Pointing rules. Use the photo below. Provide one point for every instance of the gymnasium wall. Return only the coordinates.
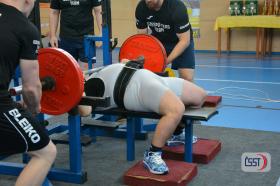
(241, 39)
(123, 25)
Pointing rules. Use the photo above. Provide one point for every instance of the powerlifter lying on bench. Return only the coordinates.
(137, 89)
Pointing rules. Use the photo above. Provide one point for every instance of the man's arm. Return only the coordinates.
(184, 41)
(182, 28)
(141, 23)
(97, 11)
(142, 31)
(54, 18)
(31, 85)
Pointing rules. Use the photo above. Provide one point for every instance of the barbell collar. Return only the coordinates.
(48, 83)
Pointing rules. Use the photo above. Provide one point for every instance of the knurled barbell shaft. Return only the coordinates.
(48, 83)
(94, 70)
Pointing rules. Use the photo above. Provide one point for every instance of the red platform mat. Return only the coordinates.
(212, 101)
(180, 173)
(204, 150)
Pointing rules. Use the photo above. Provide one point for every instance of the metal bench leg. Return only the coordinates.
(75, 149)
(130, 139)
(47, 182)
(188, 140)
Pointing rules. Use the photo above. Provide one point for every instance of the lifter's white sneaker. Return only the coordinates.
(176, 140)
(154, 163)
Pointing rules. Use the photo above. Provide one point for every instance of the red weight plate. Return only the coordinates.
(69, 81)
(147, 46)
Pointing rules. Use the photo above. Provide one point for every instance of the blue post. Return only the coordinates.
(130, 139)
(47, 183)
(90, 51)
(16, 81)
(106, 44)
(139, 125)
(75, 149)
(41, 117)
(188, 140)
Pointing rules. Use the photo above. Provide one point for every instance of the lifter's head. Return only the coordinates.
(154, 4)
(94, 87)
(25, 6)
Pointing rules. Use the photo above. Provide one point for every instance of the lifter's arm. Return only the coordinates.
(31, 85)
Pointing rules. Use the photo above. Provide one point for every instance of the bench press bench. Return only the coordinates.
(190, 115)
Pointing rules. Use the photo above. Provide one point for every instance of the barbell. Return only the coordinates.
(149, 47)
(63, 80)
(152, 50)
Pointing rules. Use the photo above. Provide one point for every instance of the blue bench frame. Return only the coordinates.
(134, 117)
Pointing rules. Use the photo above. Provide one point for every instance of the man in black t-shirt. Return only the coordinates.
(168, 21)
(76, 20)
(20, 131)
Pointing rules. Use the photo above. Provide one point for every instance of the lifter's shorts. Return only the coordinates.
(145, 90)
(19, 130)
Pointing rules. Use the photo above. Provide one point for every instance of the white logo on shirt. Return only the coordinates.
(184, 26)
(25, 125)
(137, 22)
(37, 43)
(72, 2)
(150, 17)
(75, 3)
(0, 14)
(158, 27)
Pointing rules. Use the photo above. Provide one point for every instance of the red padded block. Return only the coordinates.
(180, 173)
(204, 150)
(212, 101)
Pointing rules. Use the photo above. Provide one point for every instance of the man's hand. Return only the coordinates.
(98, 44)
(33, 111)
(168, 61)
(54, 41)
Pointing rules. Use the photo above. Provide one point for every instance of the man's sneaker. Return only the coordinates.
(176, 140)
(154, 162)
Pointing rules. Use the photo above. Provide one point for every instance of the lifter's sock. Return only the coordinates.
(155, 149)
(178, 130)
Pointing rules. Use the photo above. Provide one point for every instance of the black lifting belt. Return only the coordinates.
(123, 79)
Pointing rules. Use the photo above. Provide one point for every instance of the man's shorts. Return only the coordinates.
(75, 47)
(19, 130)
(185, 60)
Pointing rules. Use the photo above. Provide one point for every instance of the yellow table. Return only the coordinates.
(263, 25)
